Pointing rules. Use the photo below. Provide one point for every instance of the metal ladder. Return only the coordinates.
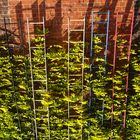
(115, 58)
(103, 44)
(40, 113)
(75, 79)
(12, 58)
(14, 91)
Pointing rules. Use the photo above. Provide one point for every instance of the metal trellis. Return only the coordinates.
(12, 65)
(40, 113)
(103, 22)
(75, 77)
(128, 26)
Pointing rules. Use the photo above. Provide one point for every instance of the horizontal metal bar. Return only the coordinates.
(76, 30)
(41, 110)
(39, 80)
(105, 22)
(40, 90)
(100, 13)
(42, 35)
(99, 34)
(123, 35)
(11, 22)
(76, 53)
(75, 42)
(37, 70)
(100, 45)
(74, 85)
(31, 22)
(38, 100)
(73, 116)
(76, 64)
(42, 128)
(37, 47)
(75, 75)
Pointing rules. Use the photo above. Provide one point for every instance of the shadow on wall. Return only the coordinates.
(55, 24)
(38, 10)
(136, 31)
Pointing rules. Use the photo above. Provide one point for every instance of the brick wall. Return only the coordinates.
(3, 8)
(57, 12)
(136, 31)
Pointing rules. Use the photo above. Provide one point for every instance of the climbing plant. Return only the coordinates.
(91, 121)
(133, 111)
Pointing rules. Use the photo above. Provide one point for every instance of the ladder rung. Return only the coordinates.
(104, 22)
(76, 64)
(11, 23)
(38, 100)
(76, 30)
(42, 128)
(72, 116)
(40, 90)
(75, 53)
(42, 136)
(74, 87)
(124, 35)
(42, 118)
(121, 24)
(76, 42)
(99, 34)
(103, 45)
(75, 75)
(41, 110)
(39, 80)
(37, 47)
(101, 13)
(30, 22)
(39, 69)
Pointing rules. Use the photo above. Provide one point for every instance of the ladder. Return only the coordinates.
(118, 63)
(101, 22)
(18, 62)
(75, 78)
(38, 85)
(8, 33)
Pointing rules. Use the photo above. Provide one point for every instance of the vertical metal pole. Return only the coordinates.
(91, 57)
(23, 53)
(49, 137)
(68, 75)
(33, 92)
(114, 66)
(12, 71)
(83, 69)
(106, 49)
(128, 58)
(107, 34)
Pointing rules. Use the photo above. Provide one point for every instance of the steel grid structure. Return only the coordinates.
(119, 24)
(35, 91)
(78, 76)
(102, 22)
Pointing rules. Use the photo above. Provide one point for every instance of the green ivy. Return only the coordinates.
(16, 100)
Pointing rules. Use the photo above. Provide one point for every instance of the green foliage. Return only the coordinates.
(133, 123)
(16, 97)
